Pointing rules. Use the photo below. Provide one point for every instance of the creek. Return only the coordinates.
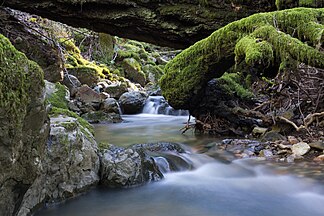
(245, 187)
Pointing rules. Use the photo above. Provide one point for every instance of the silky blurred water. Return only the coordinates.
(146, 128)
(241, 188)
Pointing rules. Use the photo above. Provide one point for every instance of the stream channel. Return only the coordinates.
(244, 187)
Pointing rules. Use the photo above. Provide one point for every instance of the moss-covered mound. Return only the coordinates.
(22, 125)
(17, 82)
(278, 39)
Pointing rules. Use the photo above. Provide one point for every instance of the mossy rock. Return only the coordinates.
(133, 71)
(87, 74)
(153, 72)
(55, 112)
(57, 95)
(261, 40)
(20, 80)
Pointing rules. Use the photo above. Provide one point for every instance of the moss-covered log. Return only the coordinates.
(274, 39)
(169, 23)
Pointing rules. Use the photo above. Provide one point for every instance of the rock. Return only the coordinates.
(299, 149)
(292, 140)
(140, 163)
(132, 102)
(319, 158)
(73, 106)
(88, 75)
(272, 136)
(57, 95)
(23, 126)
(16, 26)
(266, 153)
(116, 90)
(72, 83)
(126, 167)
(88, 95)
(133, 71)
(110, 105)
(101, 117)
(72, 159)
(153, 73)
(104, 95)
(319, 144)
(259, 131)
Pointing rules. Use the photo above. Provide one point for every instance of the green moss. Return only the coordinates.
(189, 71)
(69, 126)
(307, 3)
(122, 54)
(103, 146)
(284, 4)
(69, 45)
(132, 63)
(20, 79)
(232, 85)
(254, 50)
(55, 112)
(58, 98)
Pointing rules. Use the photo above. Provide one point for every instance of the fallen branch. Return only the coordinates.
(307, 121)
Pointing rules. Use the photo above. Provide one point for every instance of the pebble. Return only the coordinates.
(292, 140)
(266, 153)
(300, 148)
(282, 146)
(317, 144)
(319, 158)
(259, 131)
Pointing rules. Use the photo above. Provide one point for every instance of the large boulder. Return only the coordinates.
(110, 105)
(132, 102)
(116, 90)
(141, 163)
(72, 159)
(133, 71)
(23, 125)
(71, 165)
(86, 74)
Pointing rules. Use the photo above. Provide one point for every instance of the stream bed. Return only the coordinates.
(245, 187)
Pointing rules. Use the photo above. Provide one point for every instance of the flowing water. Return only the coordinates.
(241, 188)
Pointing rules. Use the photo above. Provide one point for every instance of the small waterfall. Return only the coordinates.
(158, 105)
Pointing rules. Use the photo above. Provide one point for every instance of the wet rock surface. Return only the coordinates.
(132, 102)
(140, 163)
(70, 167)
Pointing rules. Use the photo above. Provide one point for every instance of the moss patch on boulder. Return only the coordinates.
(16, 76)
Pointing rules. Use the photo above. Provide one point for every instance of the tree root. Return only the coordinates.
(307, 121)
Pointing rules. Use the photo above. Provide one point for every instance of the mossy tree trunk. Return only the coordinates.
(170, 23)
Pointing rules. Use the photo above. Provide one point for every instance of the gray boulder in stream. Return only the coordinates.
(70, 167)
(140, 163)
(132, 102)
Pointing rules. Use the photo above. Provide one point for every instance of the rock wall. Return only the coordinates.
(169, 23)
(23, 125)
(24, 33)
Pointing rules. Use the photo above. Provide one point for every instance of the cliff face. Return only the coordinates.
(171, 23)
(23, 125)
